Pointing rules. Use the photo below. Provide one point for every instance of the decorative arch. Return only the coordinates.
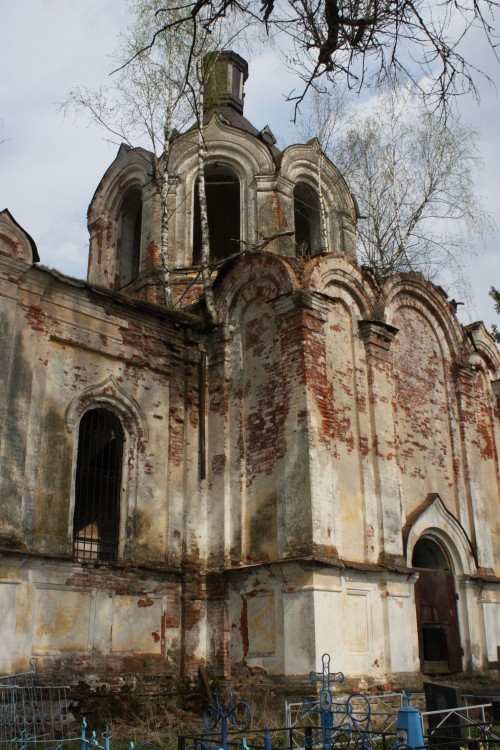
(130, 167)
(112, 396)
(104, 407)
(484, 352)
(338, 277)
(115, 219)
(439, 549)
(15, 241)
(433, 520)
(253, 275)
(239, 151)
(412, 290)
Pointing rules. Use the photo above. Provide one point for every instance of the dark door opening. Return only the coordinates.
(437, 618)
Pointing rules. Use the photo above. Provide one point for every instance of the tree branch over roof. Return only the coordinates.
(362, 41)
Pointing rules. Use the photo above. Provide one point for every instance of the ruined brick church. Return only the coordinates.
(318, 472)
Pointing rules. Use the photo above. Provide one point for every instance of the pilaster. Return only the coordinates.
(378, 337)
(478, 521)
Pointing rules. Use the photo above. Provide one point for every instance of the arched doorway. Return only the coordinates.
(436, 602)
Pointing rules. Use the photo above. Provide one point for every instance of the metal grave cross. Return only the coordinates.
(325, 700)
(326, 678)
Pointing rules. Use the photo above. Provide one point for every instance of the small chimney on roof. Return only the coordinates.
(226, 73)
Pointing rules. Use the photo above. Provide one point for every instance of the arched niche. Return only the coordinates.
(307, 219)
(222, 187)
(337, 276)
(129, 220)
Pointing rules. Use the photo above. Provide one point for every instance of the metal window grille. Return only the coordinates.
(98, 483)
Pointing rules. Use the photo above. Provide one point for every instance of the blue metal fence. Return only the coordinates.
(32, 714)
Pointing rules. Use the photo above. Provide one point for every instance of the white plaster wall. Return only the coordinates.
(8, 607)
(299, 636)
(400, 626)
(491, 611)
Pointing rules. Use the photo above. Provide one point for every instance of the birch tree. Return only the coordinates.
(206, 273)
(155, 92)
(145, 103)
(413, 177)
(495, 296)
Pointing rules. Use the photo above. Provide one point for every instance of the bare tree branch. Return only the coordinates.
(363, 42)
(413, 176)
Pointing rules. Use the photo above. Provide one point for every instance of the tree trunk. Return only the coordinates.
(165, 262)
(322, 210)
(206, 274)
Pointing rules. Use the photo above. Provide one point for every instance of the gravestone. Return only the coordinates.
(445, 731)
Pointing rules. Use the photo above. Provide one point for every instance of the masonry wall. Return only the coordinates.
(69, 348)
(374, 412)
(279, 470)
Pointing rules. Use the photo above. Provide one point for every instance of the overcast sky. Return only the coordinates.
(50, 165)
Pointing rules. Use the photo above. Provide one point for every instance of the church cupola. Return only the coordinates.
(226, 73)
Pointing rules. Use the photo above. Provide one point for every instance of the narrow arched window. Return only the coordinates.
(223, 207)
(307, 220)
(130, 229)
(96, 517)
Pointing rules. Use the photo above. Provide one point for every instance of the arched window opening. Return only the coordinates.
(96, 518)
(437, 617)
(130, 219)
(223, 207)
(307, 220)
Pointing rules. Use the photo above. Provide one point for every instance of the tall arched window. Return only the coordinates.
(130, 228)
(96, 519)
(307, 220)
(223, 206)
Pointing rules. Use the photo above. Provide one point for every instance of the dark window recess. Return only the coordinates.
(130, 218)
(97, 490)
(307, 221)
(223, 207)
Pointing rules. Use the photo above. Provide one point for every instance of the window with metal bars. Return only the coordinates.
(96, 518)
